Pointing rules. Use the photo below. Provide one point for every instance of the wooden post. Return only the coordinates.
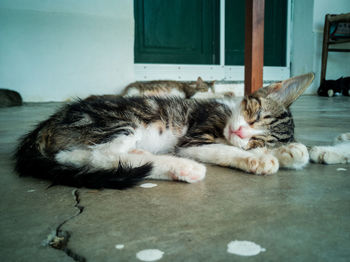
(254, 45)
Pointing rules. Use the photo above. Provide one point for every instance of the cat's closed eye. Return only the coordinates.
(254, 117)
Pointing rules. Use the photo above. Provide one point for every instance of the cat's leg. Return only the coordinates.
(74, 157)
(132, 91)
(176, 93)
(293, 155)
(167, 167)
(208, 95)
(100, 156)
(108, 156)
(326, 155)
(230, 156)
(342, 138)
(337, 154)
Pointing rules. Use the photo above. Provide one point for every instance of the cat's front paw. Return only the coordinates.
(294, 155)
(188, 171)
(324, 155)
(343, 137)
(262, 164)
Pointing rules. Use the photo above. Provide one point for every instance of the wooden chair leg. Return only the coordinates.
(325, 49)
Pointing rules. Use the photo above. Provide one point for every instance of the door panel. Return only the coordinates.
(187, 32)
(274, 32)
(177, 32)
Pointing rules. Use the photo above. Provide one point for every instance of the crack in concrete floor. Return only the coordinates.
(59, 238)
(303, 212)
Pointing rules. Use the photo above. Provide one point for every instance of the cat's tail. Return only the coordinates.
(30, 162)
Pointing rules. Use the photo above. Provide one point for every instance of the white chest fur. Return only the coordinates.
(156, 139)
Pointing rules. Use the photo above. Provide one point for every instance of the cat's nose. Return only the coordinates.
(241, 132)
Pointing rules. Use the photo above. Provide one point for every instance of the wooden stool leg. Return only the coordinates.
(325, 49)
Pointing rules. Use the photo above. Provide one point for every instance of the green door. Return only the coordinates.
(275, 32)
(187, 32)
(177, 32)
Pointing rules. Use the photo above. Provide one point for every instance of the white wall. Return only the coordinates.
(54, 50)
(323, 7)
(302, 56)
(308, 21)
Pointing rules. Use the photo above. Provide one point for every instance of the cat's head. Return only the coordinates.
(263, 118)
(204, 86)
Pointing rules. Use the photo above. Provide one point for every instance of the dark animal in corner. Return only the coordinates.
(345, 86)
(331, 87)
(9, 98)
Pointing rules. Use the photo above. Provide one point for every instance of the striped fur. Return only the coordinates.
(168, 88)
(117, 141)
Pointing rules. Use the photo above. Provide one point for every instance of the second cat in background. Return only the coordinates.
(193, 89)
(170, 88)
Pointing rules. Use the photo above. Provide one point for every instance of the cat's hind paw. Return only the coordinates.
(324, 155)
(262, 164)
(294, 156)
(188, 171)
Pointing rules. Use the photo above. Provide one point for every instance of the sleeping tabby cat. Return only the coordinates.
(116, 142)
(168, 88)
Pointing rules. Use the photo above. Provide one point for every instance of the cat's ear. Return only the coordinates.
(287, 91)
(199, 81)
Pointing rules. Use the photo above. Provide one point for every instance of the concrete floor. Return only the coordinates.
(296, 215)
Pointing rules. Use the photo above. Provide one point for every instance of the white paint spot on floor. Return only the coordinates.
(244, 248)
(341, 169)
(31, 190)
(119, 246)
(148, 185)
(150, 255)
